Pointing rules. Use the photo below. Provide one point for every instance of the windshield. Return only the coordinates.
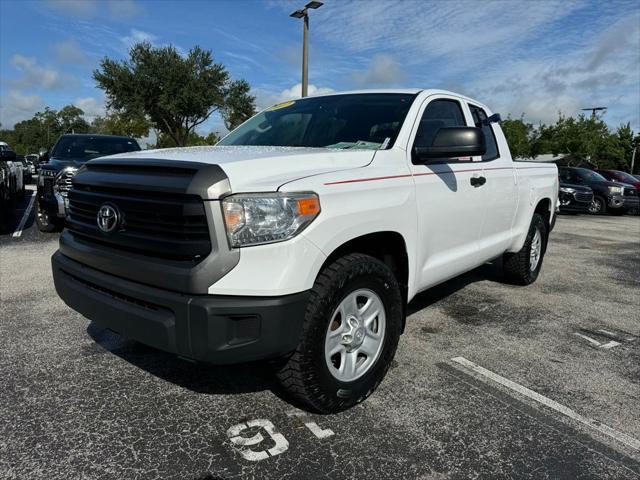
(367, 120)
(86, 148)
(587, 174)
(623, 176)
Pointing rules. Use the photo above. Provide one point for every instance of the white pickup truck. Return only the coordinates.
(303, 234)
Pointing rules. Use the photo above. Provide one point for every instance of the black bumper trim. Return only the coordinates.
(216, 329)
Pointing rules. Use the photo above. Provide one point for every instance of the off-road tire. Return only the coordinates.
(305, 374)
(517, 266)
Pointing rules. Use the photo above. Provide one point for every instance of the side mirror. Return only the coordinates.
(451, 142)
(8, 155)
(43, 156)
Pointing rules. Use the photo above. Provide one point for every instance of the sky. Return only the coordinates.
(537, 57)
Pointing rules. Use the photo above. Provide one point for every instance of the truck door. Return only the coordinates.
(501, 189)
(450, 209)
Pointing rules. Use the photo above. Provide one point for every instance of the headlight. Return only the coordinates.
(567, 190)
(258, 218)
(615, 189)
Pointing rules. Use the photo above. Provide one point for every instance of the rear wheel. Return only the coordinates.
(46, 222)
(598, 206)
(523, 267)
(350, 334)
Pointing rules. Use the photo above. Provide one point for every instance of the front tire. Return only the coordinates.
(350, 334)
(523, 267)
(598, 206)
(46, 222)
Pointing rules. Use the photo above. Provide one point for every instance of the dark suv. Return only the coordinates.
(70, 153)
(608, 196)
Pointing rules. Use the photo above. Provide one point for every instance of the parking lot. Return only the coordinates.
(490, 381)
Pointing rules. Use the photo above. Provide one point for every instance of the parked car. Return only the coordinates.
(68, 154)
(26, 170)
(574, 198)
(627, 178)
(620, 176)
(13, 170)
(33, 160)
(304, 234)
(608, 196)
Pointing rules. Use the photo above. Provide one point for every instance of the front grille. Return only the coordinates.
(63, 181)
(583, 196)
(48, 188)
(171, 226)
(630, 192)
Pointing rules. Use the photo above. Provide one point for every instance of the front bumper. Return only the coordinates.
(208, 328)
(631, 202)
(51, 201)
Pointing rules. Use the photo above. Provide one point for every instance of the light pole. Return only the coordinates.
(304, 14)
(593, 110)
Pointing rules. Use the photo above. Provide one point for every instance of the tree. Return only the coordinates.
(518, 135)
(115, 123)
(175, 93)
(195, 139)
(71, 120)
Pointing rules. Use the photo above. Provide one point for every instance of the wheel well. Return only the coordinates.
(388, 247)
(544, 209)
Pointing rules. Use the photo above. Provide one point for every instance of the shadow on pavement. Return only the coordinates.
(491, 271)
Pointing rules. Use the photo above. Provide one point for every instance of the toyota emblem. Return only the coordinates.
(107, 218)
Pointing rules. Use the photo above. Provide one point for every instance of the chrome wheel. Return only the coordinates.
(596, 206)
(355, 335)
(536, 250)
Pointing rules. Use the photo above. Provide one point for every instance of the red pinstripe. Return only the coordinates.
(372, 179)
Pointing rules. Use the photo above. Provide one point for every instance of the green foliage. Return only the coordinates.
(175, 93)
(115, 123)
(580, 139)
(519, 136)
(195, 139)
(44, 128)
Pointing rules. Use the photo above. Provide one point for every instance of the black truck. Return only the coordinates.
(70, 152)
(608, 196)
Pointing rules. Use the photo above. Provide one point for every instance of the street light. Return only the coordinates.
(593, 110)
(304, 14)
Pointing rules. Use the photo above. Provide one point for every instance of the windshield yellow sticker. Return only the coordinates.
(278, 106)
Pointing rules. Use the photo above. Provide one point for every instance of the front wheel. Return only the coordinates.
(46, 222)
(523, 267)
(350, 334)
(598, 206)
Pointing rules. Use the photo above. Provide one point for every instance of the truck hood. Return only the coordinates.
(261, 169)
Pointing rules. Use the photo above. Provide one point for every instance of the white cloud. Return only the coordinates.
(16, 106)
(34, 75)
(265, 98)
(124, 9)
(138, 36)
(383, 71)
(75, 8)
(69, 52)
(91, 106)
(85, 9)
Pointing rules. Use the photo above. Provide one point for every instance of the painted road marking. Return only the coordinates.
(25, 216)
(312, 426)
(234, 434)
(607, 345)
(516, 387)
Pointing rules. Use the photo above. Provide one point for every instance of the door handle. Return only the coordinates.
(478, 181)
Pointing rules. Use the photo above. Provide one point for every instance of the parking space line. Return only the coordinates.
(25, 216)
(516, 387)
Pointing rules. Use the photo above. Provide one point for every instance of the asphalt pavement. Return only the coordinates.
(490, 381)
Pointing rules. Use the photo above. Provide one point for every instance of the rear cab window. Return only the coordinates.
(480, 120)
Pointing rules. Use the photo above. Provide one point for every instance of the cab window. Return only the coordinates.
(438, 114)
(480, 119)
